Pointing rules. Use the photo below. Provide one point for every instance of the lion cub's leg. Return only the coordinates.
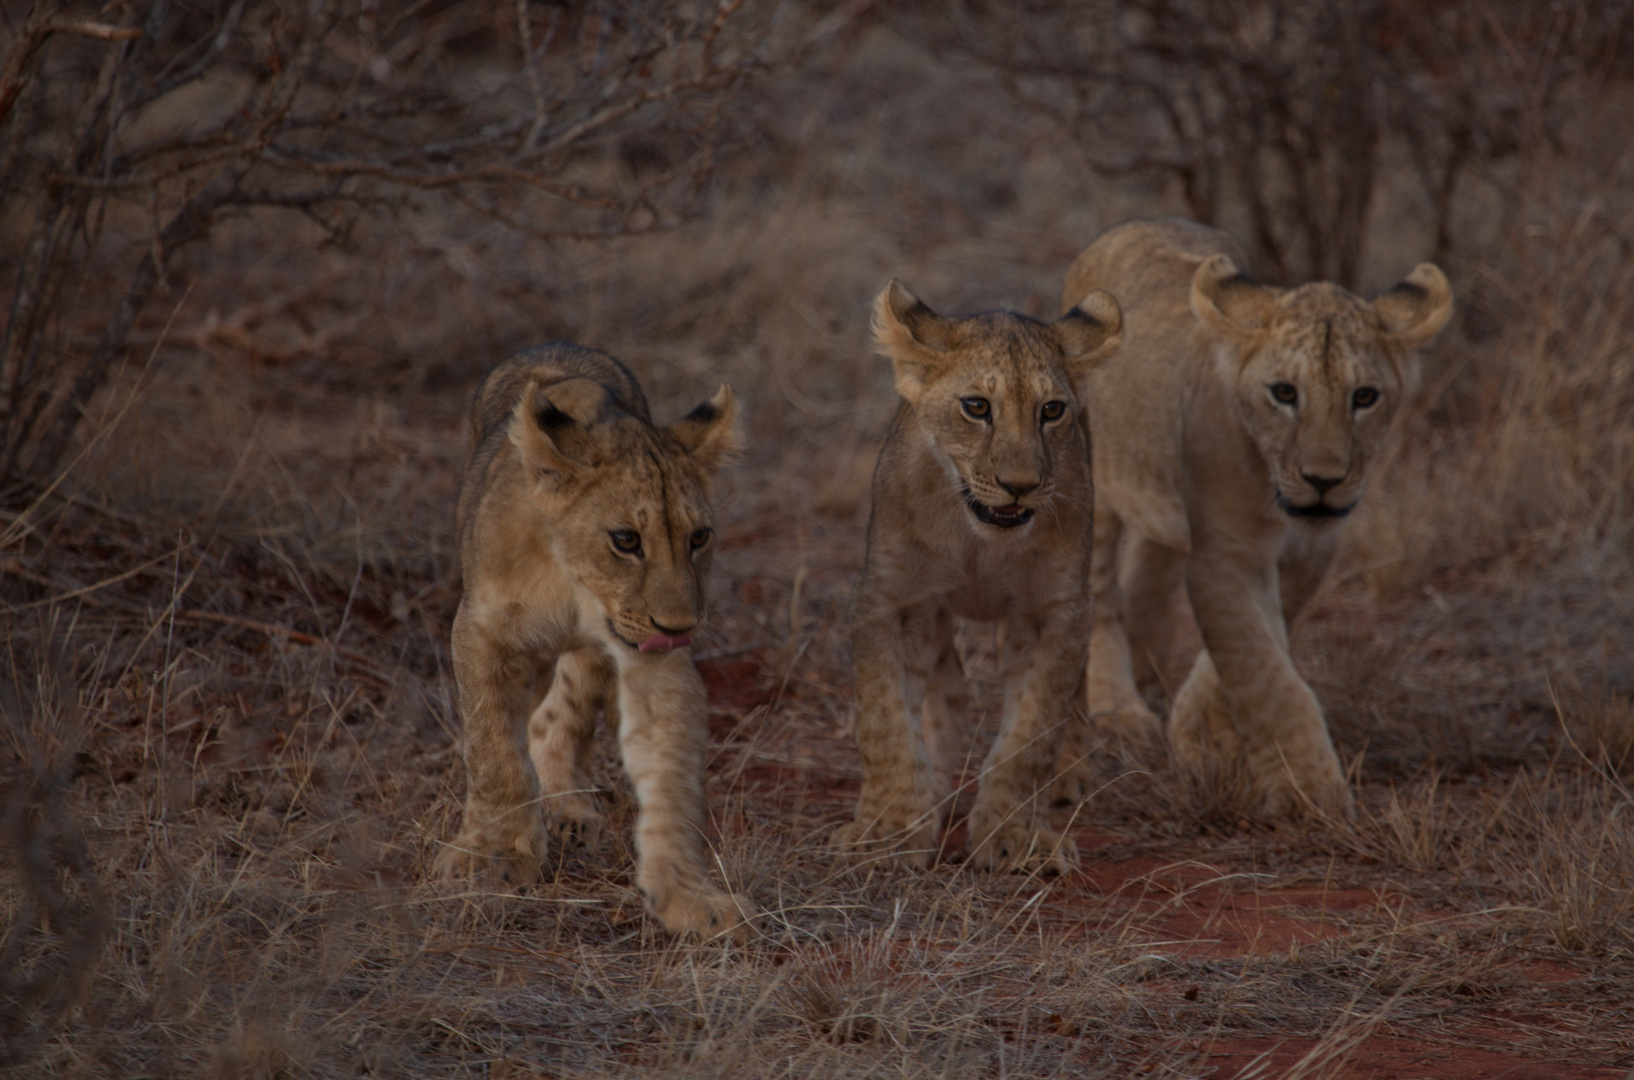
(1125, 571)
(1042, 661)
(945, 713)
(1202, 735)
(1246, 684)
(503, 828)
(663, 731)
(561, 736)
(901, 805)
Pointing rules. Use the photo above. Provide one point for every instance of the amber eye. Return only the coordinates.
(1364, 398)
(626, 541)
(700, 537)
(1284, 393)
(977, 408)
(1053, 410)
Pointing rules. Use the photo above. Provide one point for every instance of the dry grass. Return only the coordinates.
(230, 739)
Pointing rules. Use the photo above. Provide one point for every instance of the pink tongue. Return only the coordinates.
(663, 642)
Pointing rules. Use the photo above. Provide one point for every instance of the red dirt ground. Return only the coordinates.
(1205, 910)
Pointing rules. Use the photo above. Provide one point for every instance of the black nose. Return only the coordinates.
(1322, 484)
(1018, 490)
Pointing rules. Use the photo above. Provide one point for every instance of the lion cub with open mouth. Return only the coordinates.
(982, 509)
(585, 539)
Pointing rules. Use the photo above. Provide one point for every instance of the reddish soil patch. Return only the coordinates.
(735, 684)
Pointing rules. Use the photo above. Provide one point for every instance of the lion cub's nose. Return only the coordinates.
(1018, 488)
(1322, 484)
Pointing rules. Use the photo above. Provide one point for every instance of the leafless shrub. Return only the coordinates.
(1278, 118)
(595, 120)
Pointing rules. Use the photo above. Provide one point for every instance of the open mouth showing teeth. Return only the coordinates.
(1005, 517)
(1315, 510)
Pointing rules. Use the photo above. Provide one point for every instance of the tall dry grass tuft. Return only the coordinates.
(54, 906)
(1601, 727)
(1571, 855)
(1421, 829)
(1521, 462)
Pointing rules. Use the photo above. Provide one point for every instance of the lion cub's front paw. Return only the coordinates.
(706, 913)
(579, 821)
(1323, 795)
(1074, 782)
(514, 860)
(1019, 843)
(893, 837)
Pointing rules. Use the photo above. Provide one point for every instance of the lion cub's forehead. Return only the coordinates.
(1005, 353)
(1328, 325)
(1323, 311)
(651, 479)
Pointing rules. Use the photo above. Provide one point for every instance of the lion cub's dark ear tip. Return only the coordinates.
(550, 418)
(704, 413)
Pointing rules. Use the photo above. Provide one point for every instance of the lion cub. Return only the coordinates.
(1235, 433)
(584, 538)
(982, 503)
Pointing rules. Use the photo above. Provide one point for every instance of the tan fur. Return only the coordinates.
(931, 558)
(564, 455)
(1198, 473)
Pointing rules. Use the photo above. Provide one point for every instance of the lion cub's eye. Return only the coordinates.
(1053, 410)
(1364, 397)
(977, 408)
(626, 541)
(700, 537)
(1284, 393)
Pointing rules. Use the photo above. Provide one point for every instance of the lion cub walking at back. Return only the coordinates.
(584, 535)
(982, 509)
(1234, 434)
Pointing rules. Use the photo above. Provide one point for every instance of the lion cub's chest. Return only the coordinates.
(523, 586)
(999, 579)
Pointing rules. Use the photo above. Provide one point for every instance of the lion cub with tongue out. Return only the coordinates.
(585, 538)
(982, 509)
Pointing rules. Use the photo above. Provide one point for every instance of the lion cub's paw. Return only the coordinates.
(1018, 845)
(1300, 777)
(1325, 797)
(706, 913)
(579, 822)
(890, 838)
(1130, 729)
(478, 853)
(1074, 782)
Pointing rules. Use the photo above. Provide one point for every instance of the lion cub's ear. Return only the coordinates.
(1089, 333)
(1224, 298)
(1416, 307)
(552, 430)
(711, 434)
(912, 335)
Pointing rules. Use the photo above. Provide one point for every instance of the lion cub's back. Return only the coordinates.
(1137, 398)
(1146, 262)
(490, 450)
(559, 360)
